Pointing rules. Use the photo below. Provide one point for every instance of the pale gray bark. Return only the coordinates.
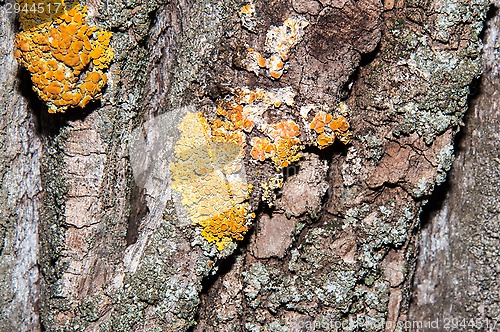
(20, 190)
(458, 269)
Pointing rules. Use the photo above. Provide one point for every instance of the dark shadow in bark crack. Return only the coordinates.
(366, 59)
(138, 210)
(224, 266)
(34, 103)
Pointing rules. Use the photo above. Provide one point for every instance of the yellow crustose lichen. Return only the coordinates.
(205, 172)
(65, 57)
(209, 154)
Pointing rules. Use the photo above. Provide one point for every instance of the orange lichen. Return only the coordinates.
(279, 42)
(262, 148)
(233, 112)
(253, 61)
(285, 129)
(320, 121)
(245, 108)
(248, 9)
(328, 128)
(65, 57)
(284, 148)
(275, 66)
(205, 172)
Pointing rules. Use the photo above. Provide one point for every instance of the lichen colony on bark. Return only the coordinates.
(335, 235)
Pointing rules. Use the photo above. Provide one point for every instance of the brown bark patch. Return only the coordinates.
(274, 236)
(354, 26)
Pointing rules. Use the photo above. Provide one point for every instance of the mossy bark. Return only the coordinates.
(340, 244)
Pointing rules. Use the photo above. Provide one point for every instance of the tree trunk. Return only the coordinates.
(456, 281)
(334, 248)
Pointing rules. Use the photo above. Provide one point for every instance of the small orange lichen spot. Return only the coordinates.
(328, 128)
(275, 65)
(248, 19)
(285, 129)
(280, 41)
(248, 9)
(253, 61)
(262, 148)
(57, 46)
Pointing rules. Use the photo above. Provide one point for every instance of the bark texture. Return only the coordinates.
(352, 266)
(337, 249)
(459, 261)
(20, 191)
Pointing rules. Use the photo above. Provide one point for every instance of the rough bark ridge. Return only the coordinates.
(115, 257)
(109, 249)
(458, 260)
(352, 266)
(20, 150)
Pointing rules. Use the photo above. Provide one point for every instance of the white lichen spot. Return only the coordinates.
(305, 110)
(282, 39)
(279, 43)
(253, 61)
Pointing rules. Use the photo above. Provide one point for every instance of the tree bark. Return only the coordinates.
(456, 281)
(338, 248)
(20, 153)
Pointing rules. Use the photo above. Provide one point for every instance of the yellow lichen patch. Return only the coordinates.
(270, 187)
(205, 172)
(65, 57)
(226, 226)
(328, 128)
(287, 151)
